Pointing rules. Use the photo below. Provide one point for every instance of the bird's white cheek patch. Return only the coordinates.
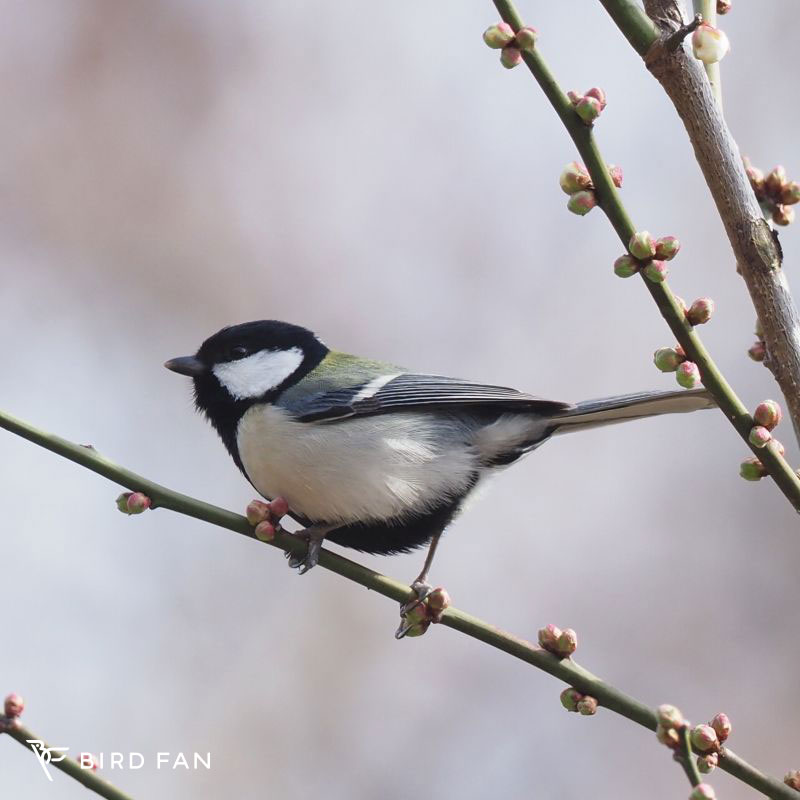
(258, 373)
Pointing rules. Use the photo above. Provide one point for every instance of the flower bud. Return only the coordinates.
(757, 351)
(709, 44)
(721, 725)
(582, 203)
(265, 531)
(681, 303)
(754, 175)
(790, 194)
(570, 699)
(616, 175)
(598, 95)
(257, 511)
(667, 736)
(548, 637)
(417, 629)
(669, 716)
(499, 35)
(526, 38)
(703, 791)
(510, 56)
(775, 181)
(122, 502)
(707, 763)
(641, 245)
(688, 375)
(278, 508)
(574, 178)
(626, 266)
(567, 643)
(751, 469)
(700, 311)
(667, 248)
(137, 503)
(768, 414)
(588, 109)
(723, 6)
(574, 97)
(704, 738)
(759, 436)
(793, 779)
(656, 271)
(437, 601)
(667, 359)
(87, 761)
(783, 215)
(14, 706)
(587, 706)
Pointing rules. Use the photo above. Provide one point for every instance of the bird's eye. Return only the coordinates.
(240, 351)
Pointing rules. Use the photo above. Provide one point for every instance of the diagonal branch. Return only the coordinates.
(564, 669)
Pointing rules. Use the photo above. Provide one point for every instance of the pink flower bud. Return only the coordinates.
(548, 638)
(526, 38)
(751, 469)
(510, 56)
(707, 763)
(656, 271)
(574, 97)
(754, 175)
(757, 351)
(257, 511)
(598, 95)
(567, 643)
(759, 436)
(626, 266)
(499, 35)
(437, 601)
(122, 502)
(721, 725)
(669, 716)
(768, 414)
(793, 779)
(790, 194)
(138, 503)
(701, 311)
(265, 531)
(642, 246)
(703, 791)
(278, 508)
(581, 203)
(616, 175)
(667, 359)
(574, 178)
(776, 180)
(783, 215)
(570, 699)
(588, 109)
(723, 6)
(587, 706)
(667, 736)
(667, 248)
(688, 375)
(14, 706)
(709, 44)
(88, 761)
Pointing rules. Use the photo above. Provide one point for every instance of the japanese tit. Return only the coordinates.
(368, 454)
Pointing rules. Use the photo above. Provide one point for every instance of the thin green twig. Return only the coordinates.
(685, 755)
(566, 670)
(708, 11)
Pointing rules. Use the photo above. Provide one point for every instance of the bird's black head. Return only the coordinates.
(246, 364)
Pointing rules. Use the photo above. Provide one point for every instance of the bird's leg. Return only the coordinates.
(313, 535)
(409, 611)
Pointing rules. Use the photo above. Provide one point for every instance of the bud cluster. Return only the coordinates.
(419, 616)
(766, 417)
(501, 36)
(584, 704)
(774, 191)
(577, 183)
(673, 359)
(266, 517)
(647, 255)
(588, 106)
(793, 779)
(560, 643)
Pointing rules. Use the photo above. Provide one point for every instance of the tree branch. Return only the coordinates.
(564, 669)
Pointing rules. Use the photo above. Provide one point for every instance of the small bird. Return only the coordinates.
(367, 454)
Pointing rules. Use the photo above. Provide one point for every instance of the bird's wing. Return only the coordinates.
(407, 391)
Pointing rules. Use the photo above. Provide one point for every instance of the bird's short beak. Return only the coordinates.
(186, 365)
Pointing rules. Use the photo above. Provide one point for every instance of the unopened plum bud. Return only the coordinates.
(790, 194)
(548, 637)
(574, 97)
(567, 643)
(138, 503)
(598, 95)
(722, 726)
(265, 531)
(499, 35)
(751, 469)
(757, 351)
(437, 601)
(768, 414)
(616, 175)
(570, 699)
(667, 359)
(759, 436)
(709, 44)
(257, 511)
(783, 215)
(703, 791)
(574, 178)
(793, 779)
(122, 502)
(526, 38)
(641, 245)
(582, 203)
(278, 508)
(688, 375)
(667, 736)
(418, 628)
(723, 6)
(588, 109)
(707, 763)
(13, 706)
(667, 248)
(704, 738)
(775, 181)
(669, 716)
(587, 706)
(626, 266)
(700, 311)
(656, 271)
(754, 175)
(510, 56)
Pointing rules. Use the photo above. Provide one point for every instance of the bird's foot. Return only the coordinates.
(418, 613)
(266, 517)
(313, 536)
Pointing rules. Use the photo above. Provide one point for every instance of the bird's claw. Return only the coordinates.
(308, 560)
(415, 615)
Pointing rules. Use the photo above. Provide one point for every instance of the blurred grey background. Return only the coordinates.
(371, 171)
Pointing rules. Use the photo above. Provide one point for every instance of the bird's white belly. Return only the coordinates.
(355, 469)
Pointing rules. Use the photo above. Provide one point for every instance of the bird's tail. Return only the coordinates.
(609, 410)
